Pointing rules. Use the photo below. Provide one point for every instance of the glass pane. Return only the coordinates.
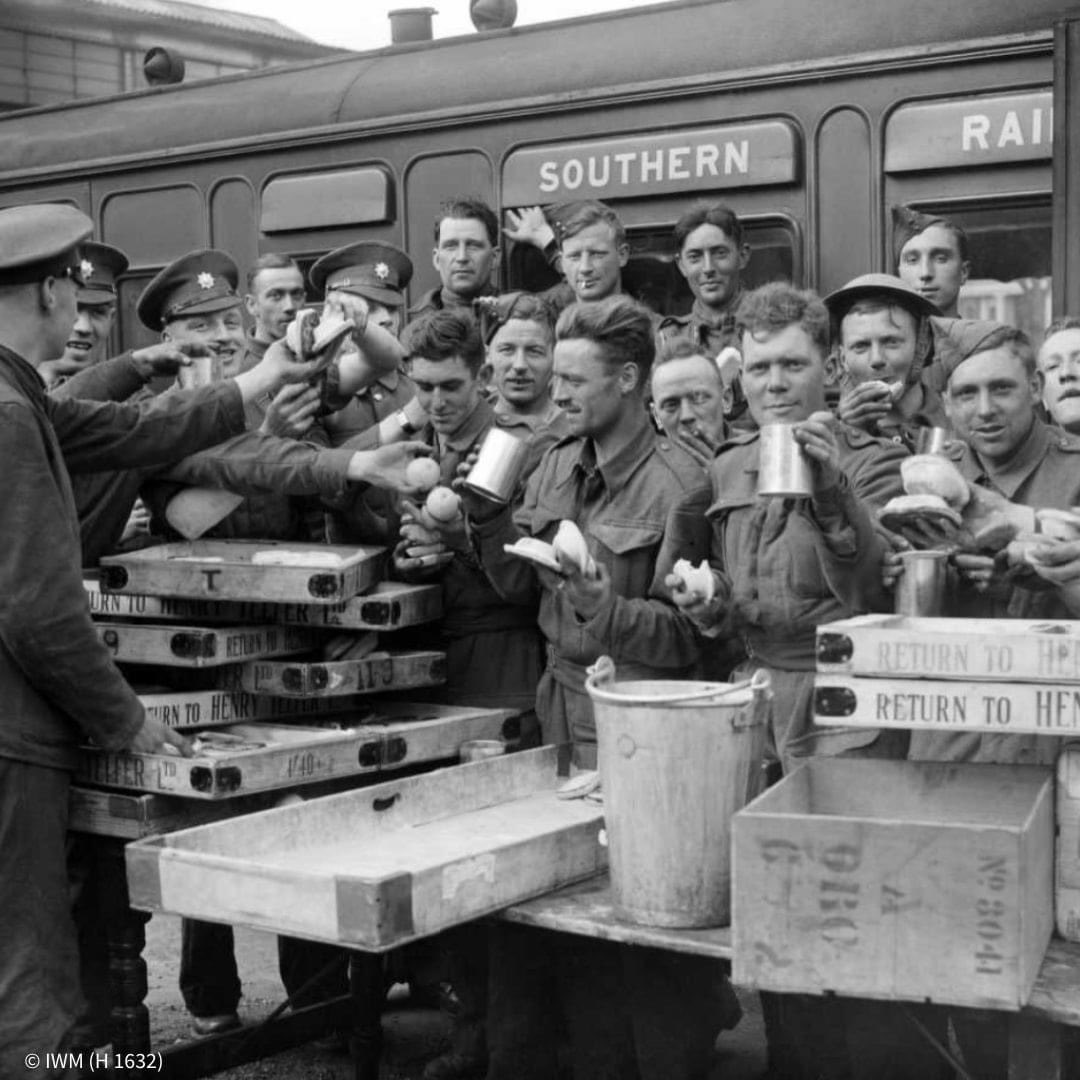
(1009, 247)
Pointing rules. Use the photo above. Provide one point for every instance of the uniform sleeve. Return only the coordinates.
(44, 617)
(112, 380)
(256, 464)
(95, 437)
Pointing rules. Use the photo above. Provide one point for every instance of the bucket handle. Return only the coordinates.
(602, 673)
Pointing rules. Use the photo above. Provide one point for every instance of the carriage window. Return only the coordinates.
(1009, 248)
(651, 275)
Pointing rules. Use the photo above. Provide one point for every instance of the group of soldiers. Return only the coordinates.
(642, 429)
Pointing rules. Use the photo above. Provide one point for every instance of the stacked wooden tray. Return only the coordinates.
(228, 640)
(381, 865)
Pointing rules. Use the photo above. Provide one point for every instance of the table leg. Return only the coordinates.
(367, 987)
(1034, 1048)
(125, 931)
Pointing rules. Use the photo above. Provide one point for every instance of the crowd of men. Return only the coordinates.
(643, 429)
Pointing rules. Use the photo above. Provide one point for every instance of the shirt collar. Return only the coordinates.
(708, 317)
(532, 421)
(22, 374)
(480, 419)
(1010, 477)
(616, 472)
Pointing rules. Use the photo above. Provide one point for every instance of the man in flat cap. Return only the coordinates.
(878, 324)
(58, 683)
(931, 255)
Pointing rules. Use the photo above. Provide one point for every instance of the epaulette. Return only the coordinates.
(738, 438)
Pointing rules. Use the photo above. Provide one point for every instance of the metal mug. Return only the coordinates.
(202, 371)
(783, 467)
(920, 589)
(479, 749)
(498, 466)
(932, 440)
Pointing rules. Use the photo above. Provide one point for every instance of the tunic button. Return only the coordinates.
(376, 395)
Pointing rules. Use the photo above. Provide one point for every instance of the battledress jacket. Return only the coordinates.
(58, 683)
(785, 566)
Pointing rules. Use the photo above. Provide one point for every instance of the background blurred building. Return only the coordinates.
(56, 50)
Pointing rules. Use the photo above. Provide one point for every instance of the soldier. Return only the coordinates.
(466, 255)
(102, 265)
(59, 684)
(1058, 362)
(275, 293)
(371, 276)
(879, 322)
(931, 256)
(594, 250)
(688, 396)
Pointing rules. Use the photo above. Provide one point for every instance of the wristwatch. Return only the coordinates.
(407, 426)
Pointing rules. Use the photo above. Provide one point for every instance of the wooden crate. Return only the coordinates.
(969, 650)
(896, 880)
(383, 865)
(201, 646)
(228, 570)
(394, 735)
(1067, 869)
(1000, 708)
(390, 605)
(376, 673)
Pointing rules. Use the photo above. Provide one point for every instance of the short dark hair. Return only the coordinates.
(1065, 322)
(962, 243)
(466, 208)
(621, 327)
(774, 307)
(272, 260)
(704, 213)
(447, 334)
(585, 214)
(494, 312)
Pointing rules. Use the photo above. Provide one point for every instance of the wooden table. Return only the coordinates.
(1035, 1033)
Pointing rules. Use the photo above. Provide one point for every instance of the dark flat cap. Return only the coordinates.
(32, 236)
(371, 269)
(101, 265)
(195, 284)
(896, 291)
(908, 223)
(957, 340)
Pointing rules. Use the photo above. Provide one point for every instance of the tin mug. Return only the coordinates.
(932, 440)
(479, 749)
(783, 467)
(920, 589)
(202, 371)
(498, 466)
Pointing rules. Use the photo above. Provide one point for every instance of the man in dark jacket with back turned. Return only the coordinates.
(58, 684)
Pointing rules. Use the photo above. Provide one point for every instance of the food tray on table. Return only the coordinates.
(238, 759)
(390, 605)
(214, 708)
(254, 570)
(381, 865)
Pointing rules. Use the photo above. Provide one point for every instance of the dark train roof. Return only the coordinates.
(474, 75)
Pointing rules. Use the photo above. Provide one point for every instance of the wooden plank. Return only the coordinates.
(969, 650)
(216, 708)
(947, 705)
(238, 570)
(388, 864)
(587, 909)
(389, 605)
(198, 646)
(896, 880)
(131, 817)
(375, 673)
